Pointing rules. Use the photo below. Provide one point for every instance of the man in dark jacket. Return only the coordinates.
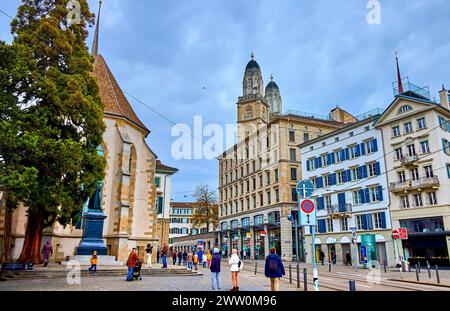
(274, 269)
(215, 270)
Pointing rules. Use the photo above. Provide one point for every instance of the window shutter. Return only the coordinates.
(448, 170)
(383, 220)
(364, 171)
(342, 202)
(308, 165)
(380, 192)
(366, 195)
(333, 159)
(362, 196)
(364, 222)
(322, 225)
(319, 162)
(363, 149)
(319, 182)
(316, 163)
(377, 169)
(349, 175)
(369, 221)
(343, 155)
(333, 179)
(358, 150)
(320, 203)
(347, 153)
(360, 172)
(444, 145)
(375, 145)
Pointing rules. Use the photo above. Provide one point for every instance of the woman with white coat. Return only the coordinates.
(235, 266)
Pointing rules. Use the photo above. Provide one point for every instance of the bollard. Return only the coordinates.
(418, 266)
(290, 274)
(298, 277)
(417, 273)
(437, 275)
(305, 279)
(429, 270)
(352, 285)
(384, 263)
(329, 267)
(256, 267)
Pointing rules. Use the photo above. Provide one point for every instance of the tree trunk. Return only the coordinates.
(6, 256)
(31, 250)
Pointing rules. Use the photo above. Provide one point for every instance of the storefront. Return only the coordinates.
(246, 238)
(258, 239)
(274, 231)
(427, 241)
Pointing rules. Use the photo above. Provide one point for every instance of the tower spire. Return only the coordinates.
(399, 77)
(97, 26)
(252, 56)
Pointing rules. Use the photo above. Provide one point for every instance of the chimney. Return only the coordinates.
(444, 97)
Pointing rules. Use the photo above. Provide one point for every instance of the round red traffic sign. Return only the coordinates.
(395, 234)
(307, 206)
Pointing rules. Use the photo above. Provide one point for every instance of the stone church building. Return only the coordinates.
(129, 193)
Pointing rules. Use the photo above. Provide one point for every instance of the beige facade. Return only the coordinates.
(416, 132)
(258, 175)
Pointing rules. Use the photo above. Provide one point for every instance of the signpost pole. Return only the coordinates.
(296, 221)
(315, 272)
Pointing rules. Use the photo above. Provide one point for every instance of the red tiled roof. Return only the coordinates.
(112, 95)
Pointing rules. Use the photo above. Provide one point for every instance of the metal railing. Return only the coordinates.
(424, 182)
(409, 159)
(339, 209)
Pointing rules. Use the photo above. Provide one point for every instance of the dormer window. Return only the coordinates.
(404, 109)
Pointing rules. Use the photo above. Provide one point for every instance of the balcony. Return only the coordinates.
(419, 184)
(339, 210)
(409, 160)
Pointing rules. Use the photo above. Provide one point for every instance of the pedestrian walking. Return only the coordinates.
(215, 269)
(164, 252)
(184, 258)
(132, 262)
(322, 257)
(180, 257)
(333, 257)
(158, 255)
(94, 262)
(274, 269)
(235, 266)
(149, 251)
(189, 260)
(208, 258)
(195, 261)
(174, 257)
(244, 255)
(47, 251)
(204, 260)
(348, 259)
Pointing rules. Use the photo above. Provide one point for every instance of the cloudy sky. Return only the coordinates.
(186, 58)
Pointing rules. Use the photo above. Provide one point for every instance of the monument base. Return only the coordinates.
(92, 234)
(102, 261)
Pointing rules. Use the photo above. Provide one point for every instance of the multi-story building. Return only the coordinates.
(416, 135)
(347, 168)
(163, 186)
(181, 214)
(258, 175)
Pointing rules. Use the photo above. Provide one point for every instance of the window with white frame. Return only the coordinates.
(418, 200)
(324, 158)
(432, 199)
(421, 124)
(396, 131)
(425, 147)
(344, 224)
(359, 222)
(398, 154)
(353, 152)
(404, 201)
(374, 194)
(411, 150)
(354, 173)
(378, 223)
(338, 156)
(408, 127)
(401, 176)
(369, 147)
(327, 200)
(356, 197)
(429, 171)
(330, 225)
(340, 177)
(372, 169)
(414, 174)
(326, 179)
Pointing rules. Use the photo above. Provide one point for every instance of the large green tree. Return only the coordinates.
(61, 116)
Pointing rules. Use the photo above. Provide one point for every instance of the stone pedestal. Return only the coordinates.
(93, 234)
(103, 261)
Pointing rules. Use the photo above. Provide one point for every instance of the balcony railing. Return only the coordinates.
(409, 159)
(336, 210)
(421, 183)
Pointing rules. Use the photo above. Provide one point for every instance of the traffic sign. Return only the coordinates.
(395, 234)
(307, 212)
(305, 188)
(403, 232)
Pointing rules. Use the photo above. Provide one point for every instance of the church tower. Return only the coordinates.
(252, 108)
(273, 98)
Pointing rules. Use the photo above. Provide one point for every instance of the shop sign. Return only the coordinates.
(403, 232)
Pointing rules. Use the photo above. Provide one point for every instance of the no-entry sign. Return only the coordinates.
(395, 234)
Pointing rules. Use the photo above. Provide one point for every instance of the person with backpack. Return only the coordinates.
(215, 270)
(148, 252)
(195, 261)
(235, 266)
(180, 257)
(274, 269)
(94, 262)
